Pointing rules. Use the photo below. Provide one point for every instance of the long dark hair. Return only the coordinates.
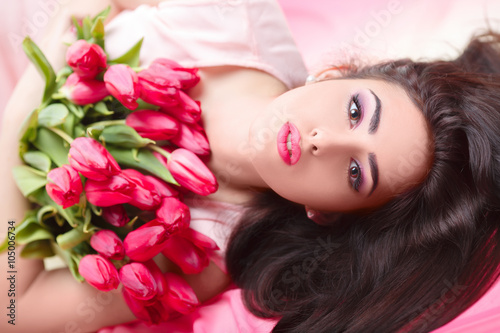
(418, 261)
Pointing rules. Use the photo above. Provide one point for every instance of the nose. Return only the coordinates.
(322, 141)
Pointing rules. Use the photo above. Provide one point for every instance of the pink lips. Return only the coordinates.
(289, 153)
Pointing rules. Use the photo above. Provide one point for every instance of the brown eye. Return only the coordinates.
(354, 113)
(354, 172)
(355, 175)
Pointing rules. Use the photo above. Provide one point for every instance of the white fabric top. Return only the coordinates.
(206, 33)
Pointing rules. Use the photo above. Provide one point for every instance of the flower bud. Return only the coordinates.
(113, 191)
(86, 59)
(144, 195)
(189, 171)
(153, 125)
(64, 186)
(150, 312)
(146, 241)
(138, 281)
(99, 272)
(158, 89)
(187, 77)
(187, 111)
(92, 160)
(108, 244)
(190, 258)
(81, 92)
(173, 214)
(162, 188)
(180, 295)
(115, 215)
(122, 82)
(193, 138)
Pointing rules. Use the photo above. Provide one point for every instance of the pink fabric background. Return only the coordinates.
(324, 30)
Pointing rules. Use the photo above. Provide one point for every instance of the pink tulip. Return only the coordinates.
(86, 59)
(193, 138)
(174, 215)
(144, 195)
(99, 272)
(113, 191)
(199, 240)
(189, 171)
(153, 125)
(150, 312)
(92, 160)
(64, 186)
(146, 241)
(108, 244)
(158, 89)
(161, 283)
(187, 77)
(122, 82)
(162, 188)
(187, 111)
(190, 258)
(115, 215)
(81, 92)
(138, 281)
(180, 295)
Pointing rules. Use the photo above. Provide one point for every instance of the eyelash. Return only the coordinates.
(355, 182)
(354, 101)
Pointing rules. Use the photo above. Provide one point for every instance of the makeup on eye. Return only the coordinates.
(355, 175)
(355, 112)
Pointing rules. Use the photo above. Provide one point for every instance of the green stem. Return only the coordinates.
(160, 151)
(62, 134)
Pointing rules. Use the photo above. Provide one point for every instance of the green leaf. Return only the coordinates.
(41, 63)
(145, 161)
(131, 57)
(101, 108)
(52, 145)
(32, 232)
(45, 213)
(62, 75)
(29, 130)
(145, 106)
(103, 14)
(28, 179)
(53, 115)
(86, 27)
(123, 136)
(38, 160)
(69, 125)
(70, 259)
(38, 249)
(77, 110)
(78, 27)
(97, 32)
(72, 238)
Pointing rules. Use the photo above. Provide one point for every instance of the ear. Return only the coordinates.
(327, 74)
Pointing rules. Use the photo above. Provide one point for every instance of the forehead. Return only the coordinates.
(403, 142)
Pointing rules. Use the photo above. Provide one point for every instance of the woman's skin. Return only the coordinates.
(238, 105)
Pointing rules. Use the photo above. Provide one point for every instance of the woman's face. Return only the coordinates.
(341, 145)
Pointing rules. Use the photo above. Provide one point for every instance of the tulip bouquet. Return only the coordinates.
(109, 155)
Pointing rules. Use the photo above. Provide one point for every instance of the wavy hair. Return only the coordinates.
(416, 262)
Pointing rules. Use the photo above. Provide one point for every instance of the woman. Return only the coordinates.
(332, 146)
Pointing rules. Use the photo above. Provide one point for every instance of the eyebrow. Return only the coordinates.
(376, 115)
(372, 160)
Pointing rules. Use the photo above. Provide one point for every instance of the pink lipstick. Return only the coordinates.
(288, 143)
